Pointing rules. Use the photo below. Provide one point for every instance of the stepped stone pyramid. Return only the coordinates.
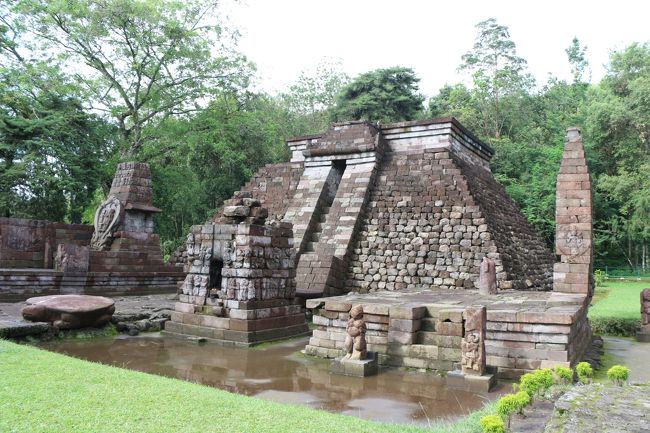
(401, 206)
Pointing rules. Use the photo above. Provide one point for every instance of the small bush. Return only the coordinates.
(599, 277)
(585, 372)
(618, 374)
(511, 403)
(622, 327)
(536, 382)
(492, 424)
(563, 374)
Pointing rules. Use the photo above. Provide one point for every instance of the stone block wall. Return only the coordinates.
(240, 286)
(422, 227)
(120, 255)
(424, 329)
(28, 243)
(416, 206)
(526, 260)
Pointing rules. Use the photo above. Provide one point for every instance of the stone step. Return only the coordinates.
(310, 247)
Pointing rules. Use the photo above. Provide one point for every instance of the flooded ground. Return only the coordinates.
(280, 373)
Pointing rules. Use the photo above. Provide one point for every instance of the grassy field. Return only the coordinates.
(618, 299)
(42, 391)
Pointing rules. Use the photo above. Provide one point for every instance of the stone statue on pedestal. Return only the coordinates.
(355, 341)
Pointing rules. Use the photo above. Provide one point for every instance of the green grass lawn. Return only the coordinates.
(616, 308)
(42, 391)
(618, 299)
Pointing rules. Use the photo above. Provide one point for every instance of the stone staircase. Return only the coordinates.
(318, 231)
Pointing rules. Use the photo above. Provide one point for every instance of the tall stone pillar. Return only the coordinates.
(573, 217)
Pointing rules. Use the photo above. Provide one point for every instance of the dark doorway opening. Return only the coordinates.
(215, 274)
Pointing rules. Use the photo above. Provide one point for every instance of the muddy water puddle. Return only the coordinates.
(280, 373)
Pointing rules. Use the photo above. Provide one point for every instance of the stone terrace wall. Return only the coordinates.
(32, 243)
(525, 257)
(273, 185)
(422, 227)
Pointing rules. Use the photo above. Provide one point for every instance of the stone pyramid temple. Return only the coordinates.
(399, 206)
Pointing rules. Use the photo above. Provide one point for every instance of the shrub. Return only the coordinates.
(492, 424)
(622, 327)
(536, 382)
(511, 403)
(599, 277)
(563, 374)
(585, 372)
(618, 374)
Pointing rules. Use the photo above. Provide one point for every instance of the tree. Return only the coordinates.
(498, 75)
(50, 148)
(143, 61)
(222, 147)
(578, 59)
(312, 96)
(618, 123)
(382, 95)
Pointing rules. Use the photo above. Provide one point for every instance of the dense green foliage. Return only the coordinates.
(72, 395)
(525, 124)
(382, 95)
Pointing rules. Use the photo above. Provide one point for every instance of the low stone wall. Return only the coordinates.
(20, 284)
(424, 329)
(28, 243)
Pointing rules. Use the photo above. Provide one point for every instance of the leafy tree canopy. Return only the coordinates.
(139, 61)
(382, 95)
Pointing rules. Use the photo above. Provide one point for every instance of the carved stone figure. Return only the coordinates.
(106, 219)
(71, 258)
(473, 343)
(355, 341)
(644, 333)
(189, 246)
(488, 277)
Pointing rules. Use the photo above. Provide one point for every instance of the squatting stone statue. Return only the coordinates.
(355, 341)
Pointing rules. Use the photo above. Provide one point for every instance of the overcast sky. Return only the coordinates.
(284, 37)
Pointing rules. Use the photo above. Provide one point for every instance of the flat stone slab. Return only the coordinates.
(356, 367)
(508, 305)
(22, 328)
(70, 311)
(471, 383)
(602, 408)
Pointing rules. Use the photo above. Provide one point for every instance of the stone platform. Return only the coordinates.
(243, 323)
(424, 329)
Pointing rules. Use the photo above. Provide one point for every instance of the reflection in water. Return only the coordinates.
(279, 373)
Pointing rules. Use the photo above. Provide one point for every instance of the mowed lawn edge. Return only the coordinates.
(42, 391)
(621, 301)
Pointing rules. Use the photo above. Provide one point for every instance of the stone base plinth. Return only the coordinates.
(471, 383)
(238, 323)
(424, 329)
(643, 337)
(355, 367)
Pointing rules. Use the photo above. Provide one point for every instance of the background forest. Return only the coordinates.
(85, 84)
